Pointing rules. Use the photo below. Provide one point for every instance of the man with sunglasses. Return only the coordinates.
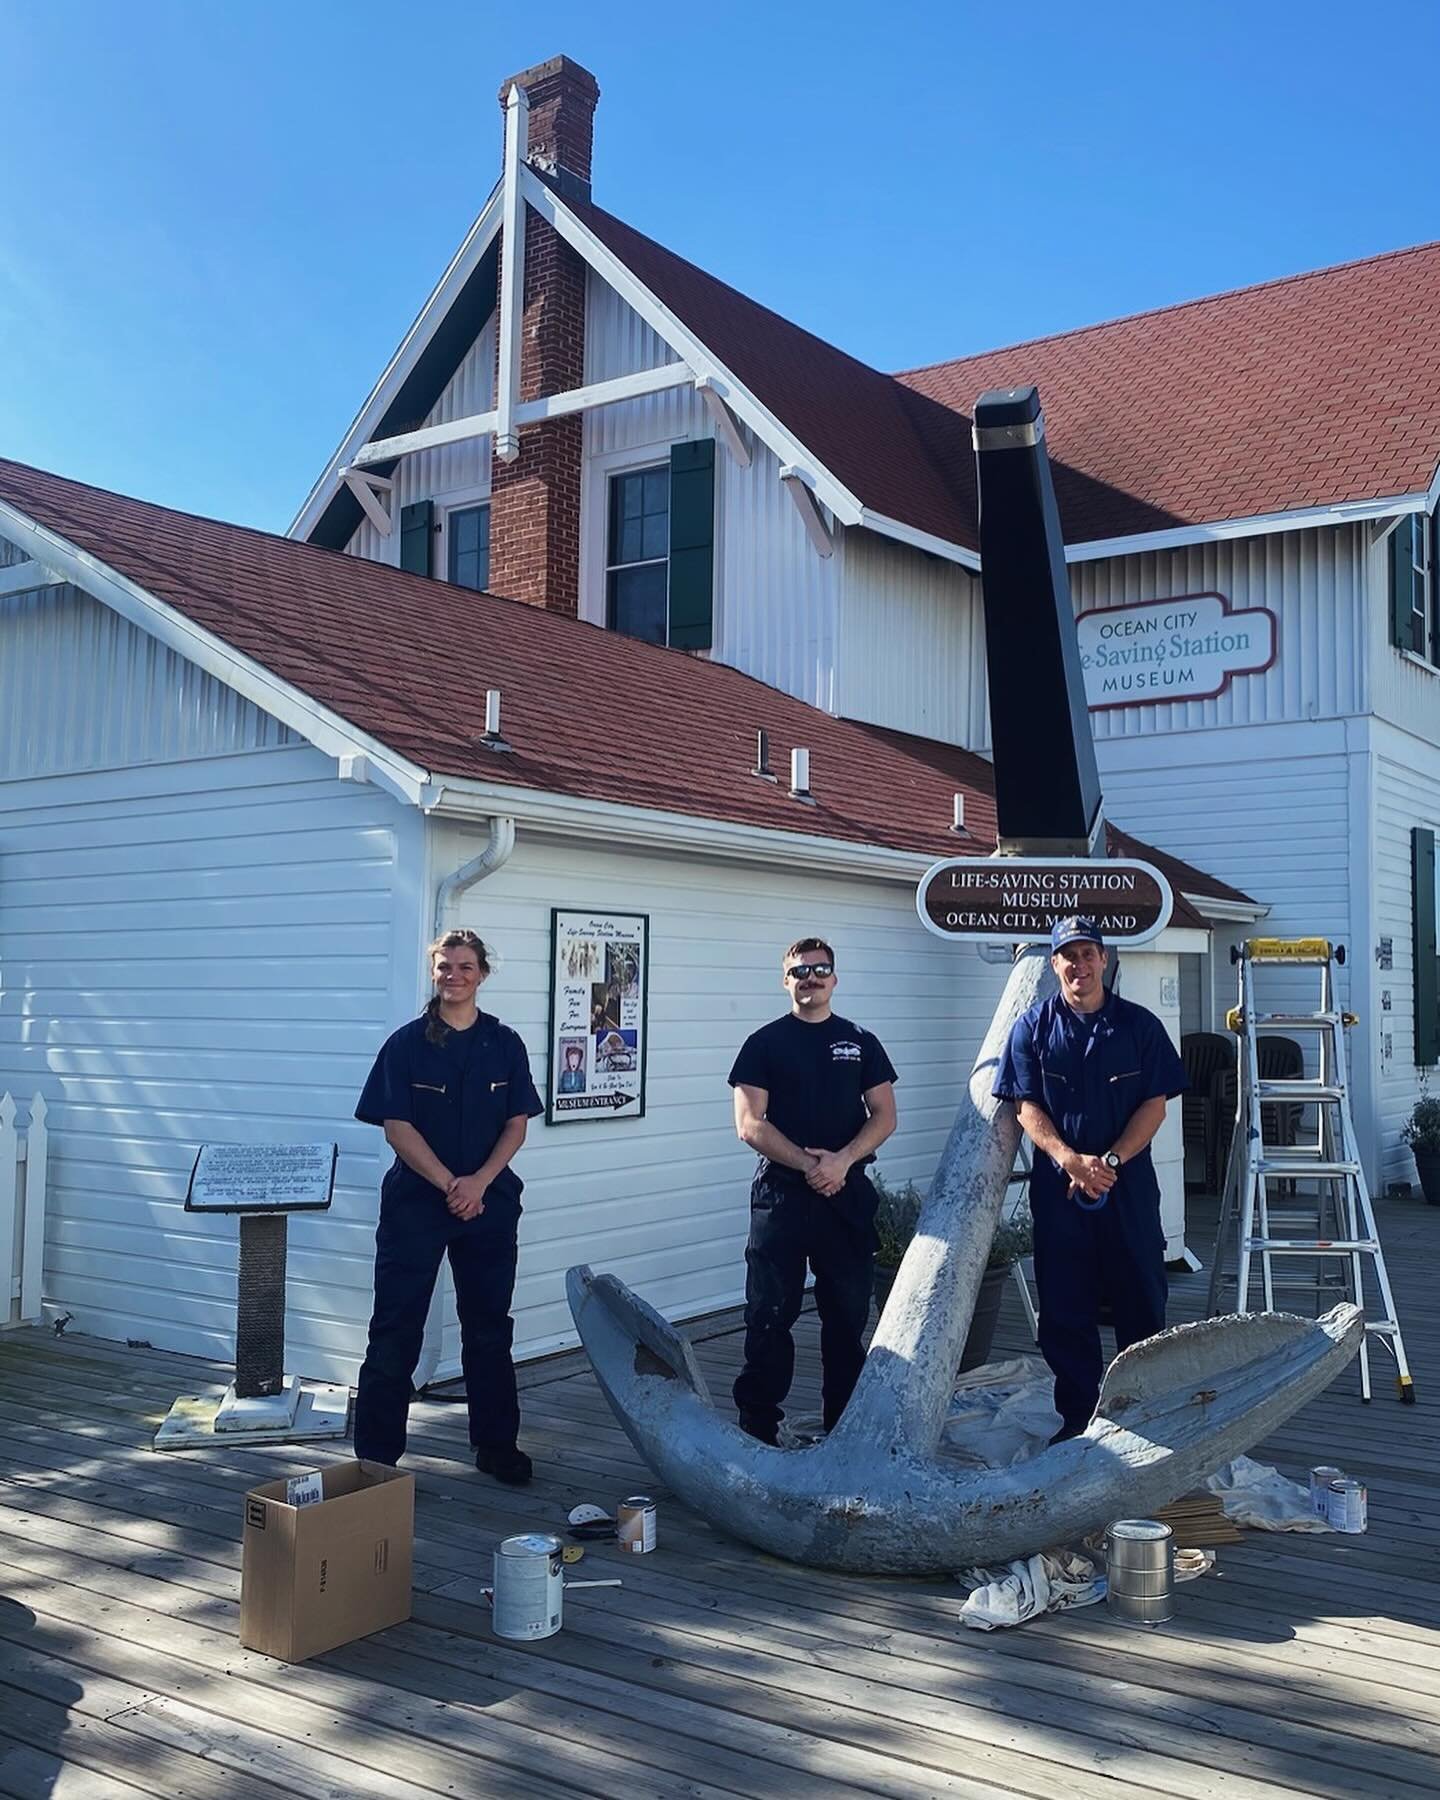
(1091, 1075)
(814, 1096)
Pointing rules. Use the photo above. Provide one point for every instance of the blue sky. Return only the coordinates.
(218, 219)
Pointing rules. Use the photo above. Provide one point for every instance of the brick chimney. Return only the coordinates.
(535, 500)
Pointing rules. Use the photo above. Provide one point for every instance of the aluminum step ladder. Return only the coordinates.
(1016, 1206)
(1302, 1200)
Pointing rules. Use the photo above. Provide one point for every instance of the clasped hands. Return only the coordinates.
(1089, 1175)
(828, 1173)
(465, 1196)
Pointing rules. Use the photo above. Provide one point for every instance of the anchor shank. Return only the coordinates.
(904, 1391)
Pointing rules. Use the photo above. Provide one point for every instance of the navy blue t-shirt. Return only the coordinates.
(816, 1074)
(1090, 1072)
(458, 1095)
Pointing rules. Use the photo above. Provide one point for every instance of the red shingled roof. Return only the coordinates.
(1304, 392)
(590, 713)
(1309, 391)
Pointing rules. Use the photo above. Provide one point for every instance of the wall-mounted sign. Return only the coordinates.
(1158, 650)
(268, 1178)
(1018, 898)
(599, 982)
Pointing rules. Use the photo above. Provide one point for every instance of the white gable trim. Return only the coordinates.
(786, 447)
(326, 730)
(362, 428)
(1307, 518)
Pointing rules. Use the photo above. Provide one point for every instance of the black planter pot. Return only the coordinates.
(982, 1324)
(1427, 1166)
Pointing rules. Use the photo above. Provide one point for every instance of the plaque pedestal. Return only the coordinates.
(262, 1405)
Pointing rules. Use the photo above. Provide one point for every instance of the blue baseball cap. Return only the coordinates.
(1074, 931)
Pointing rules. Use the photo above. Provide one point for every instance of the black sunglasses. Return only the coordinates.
(801, 971)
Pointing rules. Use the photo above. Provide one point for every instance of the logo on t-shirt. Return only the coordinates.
(843, 1051)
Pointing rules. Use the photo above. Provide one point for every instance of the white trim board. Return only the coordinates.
(362, 427)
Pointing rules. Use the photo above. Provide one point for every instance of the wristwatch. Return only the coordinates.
(1111, 1161)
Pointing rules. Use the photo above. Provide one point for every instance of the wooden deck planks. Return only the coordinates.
(1303, 1666)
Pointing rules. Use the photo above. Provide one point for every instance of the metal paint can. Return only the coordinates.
(1140, 1571)
(1348, 1506)
(1320, 1478)
(635, 1524)
(528, 1601)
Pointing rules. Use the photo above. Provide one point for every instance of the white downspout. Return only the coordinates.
(459, 881)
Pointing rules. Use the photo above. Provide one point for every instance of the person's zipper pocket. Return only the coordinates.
(427, 1087)
(1125, 1075)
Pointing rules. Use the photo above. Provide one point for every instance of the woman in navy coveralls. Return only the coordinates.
(1091, 1075)
(454, 1094)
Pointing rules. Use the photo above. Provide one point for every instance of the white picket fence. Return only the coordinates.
(22, 1212)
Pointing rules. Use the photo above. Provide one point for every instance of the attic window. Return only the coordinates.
(660, 549)
(467, 530)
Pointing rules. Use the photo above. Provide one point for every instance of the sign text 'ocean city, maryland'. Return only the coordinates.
(1183, 649)
(1016, 899)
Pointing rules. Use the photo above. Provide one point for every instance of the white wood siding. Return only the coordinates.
(152, 706)
(1267, 810)
(455, 473)
(1313, 581)
(191, 952)
(776, 600)
(1407, 794)
(663, 1201)
(911, 643)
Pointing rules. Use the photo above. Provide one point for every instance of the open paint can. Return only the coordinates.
(1140, 1571)
(528, 1601)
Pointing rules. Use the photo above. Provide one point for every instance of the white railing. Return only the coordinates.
(22, 1212)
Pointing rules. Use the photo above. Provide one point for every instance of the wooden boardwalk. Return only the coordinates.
(1303, 1665)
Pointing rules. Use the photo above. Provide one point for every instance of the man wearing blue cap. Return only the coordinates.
(1091, 1075)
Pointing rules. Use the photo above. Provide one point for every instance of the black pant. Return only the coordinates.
(416, 1229)
(1082, 1257)
(790, 1224)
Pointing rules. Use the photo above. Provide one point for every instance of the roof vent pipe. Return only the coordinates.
(762, 757)
(800, 774)
(958, 822)
(492, 712)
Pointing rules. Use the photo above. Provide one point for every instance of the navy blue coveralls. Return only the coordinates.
(816, 1076)
(1090, 1073)
(458, 1095)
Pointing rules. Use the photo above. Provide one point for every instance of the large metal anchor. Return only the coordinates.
(874, 1497)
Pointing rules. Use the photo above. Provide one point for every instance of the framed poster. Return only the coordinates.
(599, 997)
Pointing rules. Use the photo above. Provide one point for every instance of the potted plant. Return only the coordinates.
(1421, 1132)
(895, 1227)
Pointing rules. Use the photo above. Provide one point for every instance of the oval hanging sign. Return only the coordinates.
(1018, 899)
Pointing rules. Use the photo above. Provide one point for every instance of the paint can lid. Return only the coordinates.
(637, 1500)
(1145, 1531)
(530, 1543)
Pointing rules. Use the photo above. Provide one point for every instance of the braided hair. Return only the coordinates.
(436, 1030)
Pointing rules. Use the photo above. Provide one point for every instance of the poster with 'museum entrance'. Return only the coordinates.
(598, 995)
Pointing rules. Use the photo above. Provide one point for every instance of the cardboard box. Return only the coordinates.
(316, 1576)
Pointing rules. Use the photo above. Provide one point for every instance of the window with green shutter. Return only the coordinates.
(660, 549)
(1427, 950)
(417, 535)
(1413, 549)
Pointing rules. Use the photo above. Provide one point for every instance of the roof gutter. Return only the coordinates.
(1228, 912)
(650, 828)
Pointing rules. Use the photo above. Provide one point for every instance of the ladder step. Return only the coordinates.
(1300, 1090)
(1288, 1167)
(1275, 1021)
(1316, 1246)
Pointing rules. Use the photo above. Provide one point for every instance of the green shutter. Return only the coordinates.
(1427, 987)
(417, 535)
(692, 544)
(1401, 544)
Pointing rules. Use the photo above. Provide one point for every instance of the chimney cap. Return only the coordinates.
(554, 68)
